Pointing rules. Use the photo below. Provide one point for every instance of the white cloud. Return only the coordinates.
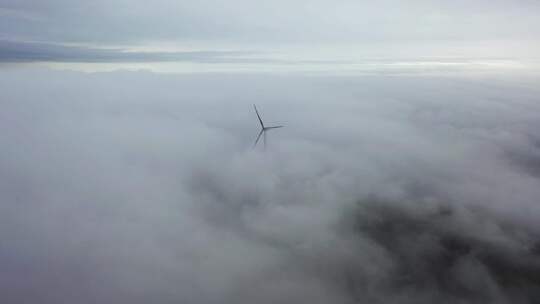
(131, 187)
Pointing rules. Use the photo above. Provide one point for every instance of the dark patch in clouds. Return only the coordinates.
(527, 156)
(442, 252)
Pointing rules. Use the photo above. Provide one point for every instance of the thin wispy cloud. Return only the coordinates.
(46, 52)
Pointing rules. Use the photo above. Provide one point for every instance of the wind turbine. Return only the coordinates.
(263, 129)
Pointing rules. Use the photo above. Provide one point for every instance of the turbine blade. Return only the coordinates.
(258, 137)
(258, 116)
(274, 127)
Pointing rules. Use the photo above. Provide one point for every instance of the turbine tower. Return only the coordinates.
(263, 129)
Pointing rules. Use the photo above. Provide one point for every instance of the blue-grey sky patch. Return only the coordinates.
(35, 51)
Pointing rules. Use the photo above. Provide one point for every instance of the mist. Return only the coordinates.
(138, 187)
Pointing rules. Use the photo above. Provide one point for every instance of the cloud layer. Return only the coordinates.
(134, 187)
(248, 21)
(23, 52)
(388, 29)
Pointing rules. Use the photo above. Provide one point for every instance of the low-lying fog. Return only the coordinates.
(135, 187)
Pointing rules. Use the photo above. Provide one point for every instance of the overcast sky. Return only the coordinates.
(121, 21)
(326, 30)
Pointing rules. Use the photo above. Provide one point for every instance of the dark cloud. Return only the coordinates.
(445, 253)
(135, 187)
(31, 52)
(526, 156)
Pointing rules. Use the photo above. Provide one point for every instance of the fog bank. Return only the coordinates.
(135, 187)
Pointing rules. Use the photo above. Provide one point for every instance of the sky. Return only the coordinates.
(407, 171)
(270, 35)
